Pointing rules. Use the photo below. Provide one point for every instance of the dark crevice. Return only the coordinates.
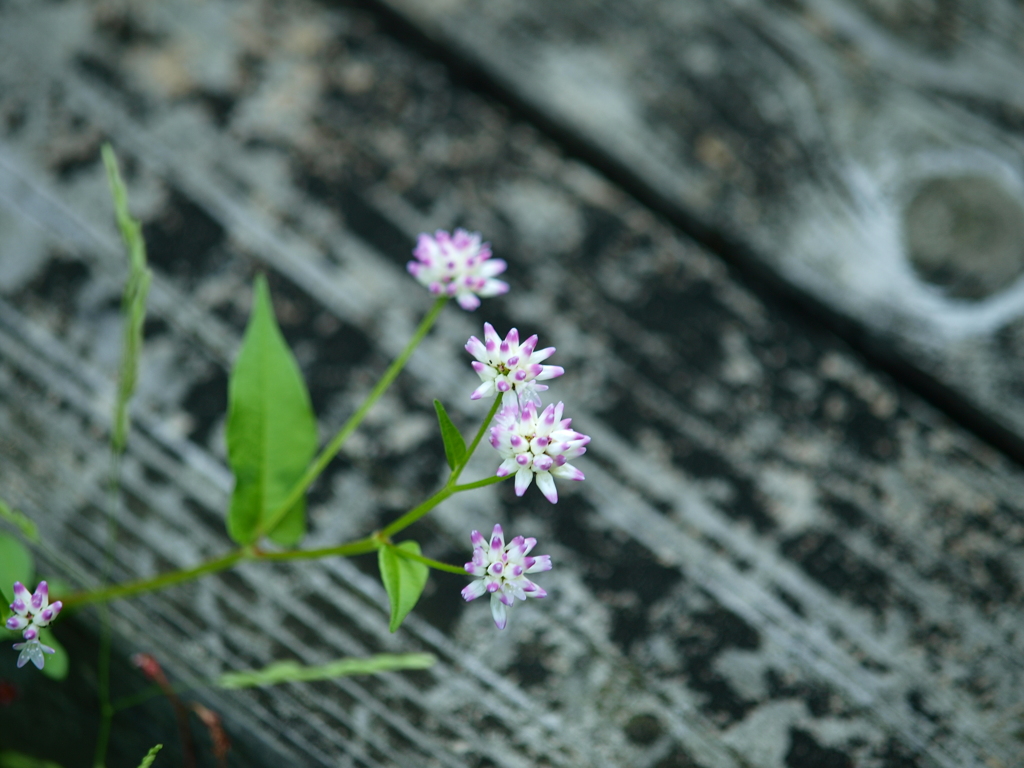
(881, 351)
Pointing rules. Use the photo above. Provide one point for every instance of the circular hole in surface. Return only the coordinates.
(965, 234)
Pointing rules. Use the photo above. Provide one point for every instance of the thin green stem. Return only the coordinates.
(360, 547)
(332, 448)
(223, 563)
(480, 483)
(476, 440)
(106, 718)
(103, 657)
(164, 580)
(436, 564)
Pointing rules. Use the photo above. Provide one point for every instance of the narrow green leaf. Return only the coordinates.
(133, 300)
(293, 672)
(454, 445)
(150, 756)
(20, 521)
(56, 666)
(18, 760)
(271, 430)
(403, 580)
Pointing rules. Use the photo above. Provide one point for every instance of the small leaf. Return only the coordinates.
(20, 521)
(403, 580)
(18, 760)
(271, 430)
(454, 445)
(56, 666)
(15, 564)
(150, 756)
(293, 672)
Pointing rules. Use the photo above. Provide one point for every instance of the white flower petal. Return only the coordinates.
(498, 612)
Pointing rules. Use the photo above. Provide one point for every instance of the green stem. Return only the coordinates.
(360, 547)
(103, 658)
(223, 563)
(480, 483)
(332, 448)
(476, 440)
(436, 564)
(162, 581)
(106, 717)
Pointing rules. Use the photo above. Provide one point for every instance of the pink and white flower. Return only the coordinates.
(32, 613)
(510, 367)
(501, 570)
(457, 265)
(537, 445)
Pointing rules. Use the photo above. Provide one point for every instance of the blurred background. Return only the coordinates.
(779, 247)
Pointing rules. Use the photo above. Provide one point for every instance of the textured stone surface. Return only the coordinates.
(869, 153)
(779, 558)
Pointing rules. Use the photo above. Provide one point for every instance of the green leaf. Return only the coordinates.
(150, 756)
(18, 760)
(293, 672)
(56, 666)
(133, 301)
(21, 522)
(454, 445)
(15, 565)
(271, 430)
(403, 580)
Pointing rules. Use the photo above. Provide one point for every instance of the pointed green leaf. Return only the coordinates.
(271, 430)
(454, 445)
(403, 580)
(19, 521)
(293, 672)
(150, 756)
(56, 665)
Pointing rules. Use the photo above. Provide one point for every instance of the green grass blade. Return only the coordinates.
(150, 756)
(293, 672)
(133, 301)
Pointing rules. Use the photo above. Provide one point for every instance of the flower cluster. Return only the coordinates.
(534, 442)
(510, 367)
(32, 613)
(457, 265)
(538, 446)
(501, 570)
